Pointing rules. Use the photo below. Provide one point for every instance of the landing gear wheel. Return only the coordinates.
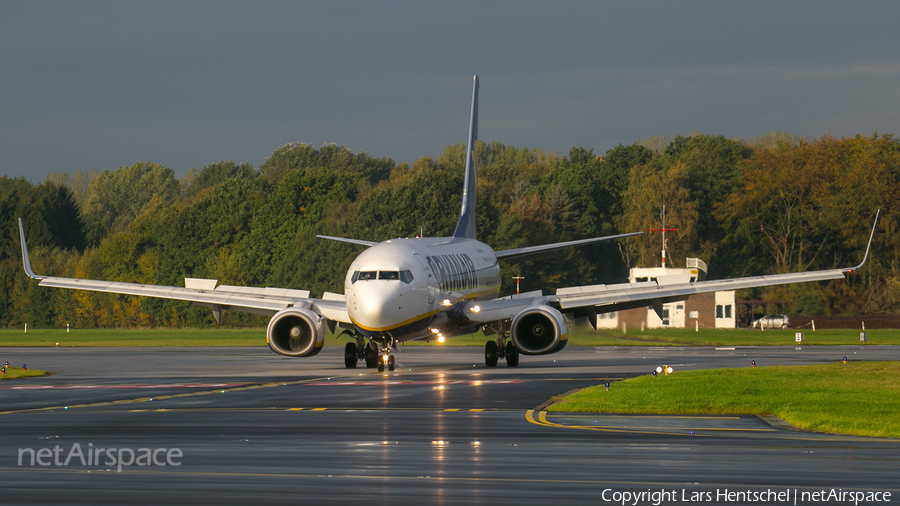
(512, 355)
(784, 325)
(350, 356)
(381, 366)
(490, 353)
(390, 362)
(371, 357)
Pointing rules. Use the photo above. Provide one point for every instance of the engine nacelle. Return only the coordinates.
(296, 332)
(539, 330)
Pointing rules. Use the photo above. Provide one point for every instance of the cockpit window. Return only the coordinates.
(405, 276)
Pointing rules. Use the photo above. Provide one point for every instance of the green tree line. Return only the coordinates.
(773, 204)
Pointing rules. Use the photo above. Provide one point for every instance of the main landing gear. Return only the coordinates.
(500, 349)
(376, 353)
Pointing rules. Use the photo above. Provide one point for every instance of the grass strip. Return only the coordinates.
(133, 337)
(15, 373)
(857, 398)
(581, 336)
(578, 336)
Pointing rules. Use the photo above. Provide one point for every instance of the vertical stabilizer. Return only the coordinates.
(466, 225)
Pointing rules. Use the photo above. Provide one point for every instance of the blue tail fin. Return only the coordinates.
(465, 227)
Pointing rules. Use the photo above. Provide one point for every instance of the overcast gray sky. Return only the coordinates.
(96, 85)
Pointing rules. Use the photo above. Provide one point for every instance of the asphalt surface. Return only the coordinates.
(245, 426)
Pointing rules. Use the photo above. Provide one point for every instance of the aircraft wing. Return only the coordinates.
(595, 299)
(204, 292)
(618, 297)
(609, 298)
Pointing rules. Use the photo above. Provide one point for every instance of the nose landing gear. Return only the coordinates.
(376, 352)
(385, 359)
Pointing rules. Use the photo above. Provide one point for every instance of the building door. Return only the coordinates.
(677, 319)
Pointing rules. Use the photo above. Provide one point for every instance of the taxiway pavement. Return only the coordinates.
(256, 428)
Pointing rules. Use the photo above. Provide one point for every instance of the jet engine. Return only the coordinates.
(539, 330)
(296, 332)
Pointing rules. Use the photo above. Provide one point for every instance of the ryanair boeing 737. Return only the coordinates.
(407, 289)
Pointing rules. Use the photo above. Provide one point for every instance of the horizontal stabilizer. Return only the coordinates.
(351, 241)
(531, 250)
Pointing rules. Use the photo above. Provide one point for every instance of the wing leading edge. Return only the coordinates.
(608, 298)
(264, 301)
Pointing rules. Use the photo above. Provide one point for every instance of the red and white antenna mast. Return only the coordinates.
(664, 230)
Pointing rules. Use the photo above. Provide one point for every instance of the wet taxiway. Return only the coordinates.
(251, 427)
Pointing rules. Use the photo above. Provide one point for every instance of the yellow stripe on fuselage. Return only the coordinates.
(414, 319)
(401, 324)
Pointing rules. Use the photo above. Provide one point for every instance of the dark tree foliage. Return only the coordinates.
(745, 209)
(116, 198)
(217, 173)
(51, 220)
(304, 156)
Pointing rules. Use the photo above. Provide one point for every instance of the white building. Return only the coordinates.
(705, 310)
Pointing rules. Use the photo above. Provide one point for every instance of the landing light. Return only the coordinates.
(440, 339)
(446, 303)
(435, 331)
(475, 309)
(384, 357)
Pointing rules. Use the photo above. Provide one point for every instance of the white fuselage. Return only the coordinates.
(411, 288)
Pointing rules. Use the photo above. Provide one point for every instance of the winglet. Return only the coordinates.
(25, 259)
(871, 235)
(465, 227)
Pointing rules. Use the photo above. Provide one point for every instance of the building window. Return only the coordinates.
(723, 311)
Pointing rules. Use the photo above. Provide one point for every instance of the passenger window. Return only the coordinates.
(389, 275)
(367, 275)
(406, 277)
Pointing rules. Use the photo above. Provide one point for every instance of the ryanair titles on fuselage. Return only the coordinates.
(455, 271)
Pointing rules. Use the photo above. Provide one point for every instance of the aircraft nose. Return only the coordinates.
(373, 306)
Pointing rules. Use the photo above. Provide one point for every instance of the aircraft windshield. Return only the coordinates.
(405, 276)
